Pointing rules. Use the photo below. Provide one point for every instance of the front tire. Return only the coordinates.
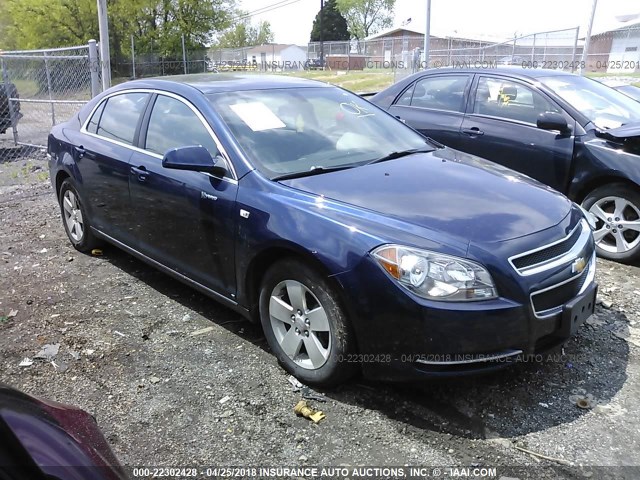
(75, 219)
(617, 211)
(305, 324)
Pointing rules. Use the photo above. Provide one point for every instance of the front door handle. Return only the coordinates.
(401, 119)
(473, 131)
(80, 151)
(141, 172)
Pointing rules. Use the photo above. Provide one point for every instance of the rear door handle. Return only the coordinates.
(82, 152)
(401, 119)
(141, 172)
(473, 131)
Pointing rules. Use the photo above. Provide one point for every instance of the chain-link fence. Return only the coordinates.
(615, 52)
(40, 88)
(560, 49)
(143, 60)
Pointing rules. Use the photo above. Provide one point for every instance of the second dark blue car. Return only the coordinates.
(356, 242)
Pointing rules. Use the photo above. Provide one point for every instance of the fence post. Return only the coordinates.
(12, 113)
(575, 51)
(184, 55)
(93, 68)
(133, 58)
(533, 49)
(48, 73)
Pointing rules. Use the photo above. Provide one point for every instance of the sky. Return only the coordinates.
(292, 23)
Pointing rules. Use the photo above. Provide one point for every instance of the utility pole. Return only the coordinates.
(427, 36)
(321, 35)
(133, 58)
(587, 39)
(184, 56)
(105, 56)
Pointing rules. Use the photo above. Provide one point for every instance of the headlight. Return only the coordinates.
(589, 217)
(435, 276)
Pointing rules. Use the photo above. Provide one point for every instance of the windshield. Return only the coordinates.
(290, 131)
(602, 105)
(631, 91)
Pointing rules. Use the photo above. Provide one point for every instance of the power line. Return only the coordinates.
(268, 8)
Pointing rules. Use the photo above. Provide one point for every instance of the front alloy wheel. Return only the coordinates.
(617, 212)
(305, 324)
(300, 324)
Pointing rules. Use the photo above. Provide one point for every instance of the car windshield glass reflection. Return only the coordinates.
(604, 106)
(290, 131)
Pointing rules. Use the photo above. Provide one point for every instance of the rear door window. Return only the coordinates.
(120, 117)
(438, 92)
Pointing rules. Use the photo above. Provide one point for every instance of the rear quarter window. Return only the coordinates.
(119, 116)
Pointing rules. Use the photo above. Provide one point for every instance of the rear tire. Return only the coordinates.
(75, 219)
(617, 211)
(305, 324)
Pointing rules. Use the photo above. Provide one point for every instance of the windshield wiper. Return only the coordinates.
(436, 143)
(313, 171)
(401, 153)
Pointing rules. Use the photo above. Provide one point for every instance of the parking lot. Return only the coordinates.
(175, 379)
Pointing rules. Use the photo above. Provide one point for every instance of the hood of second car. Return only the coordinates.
(446, 191)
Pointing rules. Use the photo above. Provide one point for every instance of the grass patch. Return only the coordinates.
(356, 81)
(612, 74)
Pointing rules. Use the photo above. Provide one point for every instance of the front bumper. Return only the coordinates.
(403, 337)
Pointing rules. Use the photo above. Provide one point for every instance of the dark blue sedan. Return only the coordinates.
(355, 241)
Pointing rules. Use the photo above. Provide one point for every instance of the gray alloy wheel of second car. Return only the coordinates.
(617, 212)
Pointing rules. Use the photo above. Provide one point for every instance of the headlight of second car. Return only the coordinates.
(436, 276)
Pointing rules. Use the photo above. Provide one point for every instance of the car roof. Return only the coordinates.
(227, 82)
(513, 70)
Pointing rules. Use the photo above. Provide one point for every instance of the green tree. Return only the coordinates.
(366, 17)
(30, 24)
(243, 34)
(41, 23)
(334, 25)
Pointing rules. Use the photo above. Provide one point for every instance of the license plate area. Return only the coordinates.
(577, 311)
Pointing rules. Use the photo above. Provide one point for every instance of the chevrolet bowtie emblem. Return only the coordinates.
(578, 265)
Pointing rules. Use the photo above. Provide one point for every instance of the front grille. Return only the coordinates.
(556, 297)
(549, 253)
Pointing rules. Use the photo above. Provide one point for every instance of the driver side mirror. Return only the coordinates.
(553, 121)
(195, 158)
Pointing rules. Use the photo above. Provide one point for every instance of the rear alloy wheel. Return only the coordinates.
(616, 208)
(305, 325)
(75, 219)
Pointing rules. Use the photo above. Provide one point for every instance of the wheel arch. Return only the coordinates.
(579, 194)
(61, 176)
(261, 262)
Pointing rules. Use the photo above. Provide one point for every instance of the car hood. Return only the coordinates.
(447, 191)
(631, 130)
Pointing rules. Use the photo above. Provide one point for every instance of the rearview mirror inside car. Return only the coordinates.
(195, 158)
(553, 121)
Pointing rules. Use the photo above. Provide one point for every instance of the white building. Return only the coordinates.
(277, 57)
(616, 51)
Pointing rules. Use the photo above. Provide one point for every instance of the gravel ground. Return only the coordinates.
(133, 352)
